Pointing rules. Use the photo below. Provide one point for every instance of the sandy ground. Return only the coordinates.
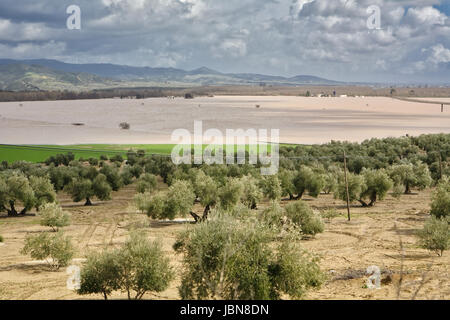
(346, 249)
(300, 119)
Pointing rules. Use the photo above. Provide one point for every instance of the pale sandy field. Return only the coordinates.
(300, 119)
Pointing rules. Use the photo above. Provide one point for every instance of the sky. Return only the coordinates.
(335, 39)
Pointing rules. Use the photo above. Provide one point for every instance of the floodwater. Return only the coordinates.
(300, 119)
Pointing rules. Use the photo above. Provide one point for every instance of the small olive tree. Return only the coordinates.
(435, 235)
(226, 258)
(56, 249)
(138, 267)
(84, 189)
(302, 216)
(440, 205)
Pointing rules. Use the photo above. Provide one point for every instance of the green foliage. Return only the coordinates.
(15, 189)
(230, 194)
(225, 258)
(84, 189)
(56, 248)
(308, 180)
(304, 218)
(43, 191)
(435, 236)
(251, 194)
(138, 267)
(286, 178)
(409, 176)
(440, 205)
(1, 239)
(271, 187)
(377, 185)
(146, 183)
(177, 202)
(356, 184)
(52, 215)
(330, 214)
(100, 274)
(112, 176)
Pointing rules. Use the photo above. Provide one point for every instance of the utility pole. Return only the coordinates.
(346, 186)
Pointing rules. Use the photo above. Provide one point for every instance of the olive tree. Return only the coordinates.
(410, 176)
(84, 189)
(251, 192)
(286, 178)
(302, 216)
(52, 215)
(435, 235)
(225, 258)
(178, 201)
(356, 185)
(440, 205)
(146, 183)
(271, 187)
(56, 249)
(16, 190)
(377, 184)
(138, 267)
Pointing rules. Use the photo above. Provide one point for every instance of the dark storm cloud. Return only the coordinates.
(328, 38)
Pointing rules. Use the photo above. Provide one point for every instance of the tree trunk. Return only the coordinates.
(299, 196)
(195, 216)
(373, 200)
(13, 211)
(291, 196)
(88, 202)
(105, 296)
(407, 188)
(205, 212)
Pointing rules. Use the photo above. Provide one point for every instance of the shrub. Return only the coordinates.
(435, 236)
(409, 176)
(100, 274)
(330, 214)
(146, 183)
(124, 126)
(356, 184)
(43, 191)
(303, 216)
(440, 205)
(53, 216)
(230, 194)
(251, 194)
(140, 266)
(271, 187)
(179, 200)
(224, 258)
(1, 238)
(56, 248)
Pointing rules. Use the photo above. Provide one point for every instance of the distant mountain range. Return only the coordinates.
(43, 74)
